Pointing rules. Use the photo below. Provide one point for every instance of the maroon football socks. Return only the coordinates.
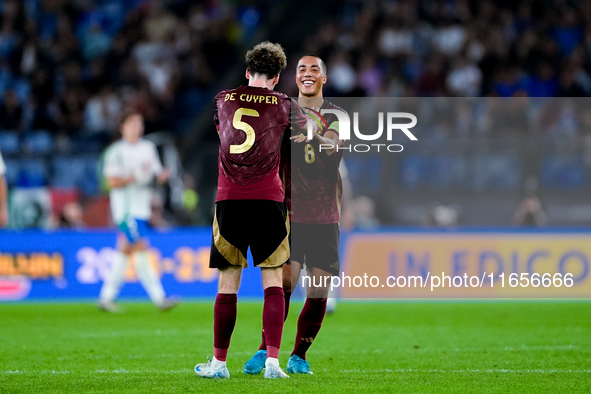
(309, 324)
(224, 320)
(273, 316)
(263, 342)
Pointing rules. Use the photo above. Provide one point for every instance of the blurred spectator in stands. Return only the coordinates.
(37, 115)
(443, 216)
(371, 77)
(95, 42)
(530, 212)
(102, 112)
(543, 83)
(9, 37)
(95, 75)
(508, 82)
(342, 78)
(160, 24)
(65, 47)
(160, 74)
(430, 81)
(569, 87)
(449, 37)
(196, 72)
(42, 89)
(364, 210)
(70, 111)
(464, 79)
(568, 32)
(71, 216)
(11, 112)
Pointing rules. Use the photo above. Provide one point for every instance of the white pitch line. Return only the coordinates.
(106, 371)
(347, 371)
(517, 371)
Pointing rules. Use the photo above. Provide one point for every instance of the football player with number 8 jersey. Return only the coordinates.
(314, 201)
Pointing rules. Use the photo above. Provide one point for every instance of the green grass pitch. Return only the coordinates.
(431, 346)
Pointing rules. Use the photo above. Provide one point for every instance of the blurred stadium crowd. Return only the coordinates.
(69, 67)
(456, 48)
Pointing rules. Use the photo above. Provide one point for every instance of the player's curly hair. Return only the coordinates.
(266, 58)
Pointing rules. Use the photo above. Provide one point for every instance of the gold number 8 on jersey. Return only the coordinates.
(310, 156)
(248, 130)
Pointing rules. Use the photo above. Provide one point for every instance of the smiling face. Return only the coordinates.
(310, 76)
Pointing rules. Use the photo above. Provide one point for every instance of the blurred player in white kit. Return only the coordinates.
(131, 164)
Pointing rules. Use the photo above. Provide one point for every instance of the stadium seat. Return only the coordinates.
(562, 172)
(12, 171)
(78, 172)
(39, 142)
(66, 172)
(364, 173)
(496, 172)
(9, 142)
(33, 173)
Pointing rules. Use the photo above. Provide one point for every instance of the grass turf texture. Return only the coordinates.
(365, 347)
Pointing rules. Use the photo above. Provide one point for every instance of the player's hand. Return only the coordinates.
(311, 114)
(164, 175)
(298, 138)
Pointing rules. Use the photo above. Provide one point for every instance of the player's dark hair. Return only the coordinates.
(320, 62)
(267, 59)
(128, 113)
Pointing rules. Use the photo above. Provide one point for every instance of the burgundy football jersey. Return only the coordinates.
(252, 123)
(316, 187)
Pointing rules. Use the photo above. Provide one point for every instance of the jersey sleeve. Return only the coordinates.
(334, 126)
(113, 163)
(298, 120)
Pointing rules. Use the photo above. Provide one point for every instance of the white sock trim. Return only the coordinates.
(271, 361)
(217, 363)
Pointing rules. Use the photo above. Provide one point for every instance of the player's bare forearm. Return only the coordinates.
(330, 138)
(116, 182)
(163, 176)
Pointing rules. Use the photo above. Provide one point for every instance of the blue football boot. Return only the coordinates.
(255, 365)
(297, 365)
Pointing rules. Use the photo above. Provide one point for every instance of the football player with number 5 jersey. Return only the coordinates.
(253, 123)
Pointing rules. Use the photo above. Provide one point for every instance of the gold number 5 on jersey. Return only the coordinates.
(248, 130)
